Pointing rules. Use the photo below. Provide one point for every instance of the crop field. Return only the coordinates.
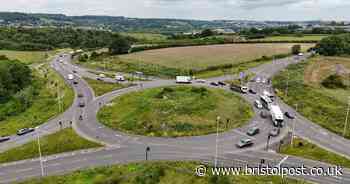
(199, 57)
(147, 37)
(294, 38)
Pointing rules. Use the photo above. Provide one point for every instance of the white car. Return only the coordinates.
(258, 104)
(300, 54)
(258, 80)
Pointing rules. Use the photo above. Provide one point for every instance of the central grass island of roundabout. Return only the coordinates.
(176, 111)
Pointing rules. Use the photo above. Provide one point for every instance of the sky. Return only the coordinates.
(283, 10)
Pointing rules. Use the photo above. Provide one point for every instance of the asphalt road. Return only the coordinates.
(123, 148)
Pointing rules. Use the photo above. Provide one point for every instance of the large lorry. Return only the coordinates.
(277, 115)
(183, 79)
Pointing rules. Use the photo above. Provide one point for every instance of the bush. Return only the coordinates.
(333, 82)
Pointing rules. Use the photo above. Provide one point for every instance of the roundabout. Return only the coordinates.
(176, 111)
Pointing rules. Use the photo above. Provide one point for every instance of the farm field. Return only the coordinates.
(325, 106)
(147, 37)
(156, 173)
(175, 111)
(200, 57)
(294, 38)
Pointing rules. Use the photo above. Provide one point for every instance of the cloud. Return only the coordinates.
(191, 9)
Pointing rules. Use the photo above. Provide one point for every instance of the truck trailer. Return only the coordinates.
(277, 115)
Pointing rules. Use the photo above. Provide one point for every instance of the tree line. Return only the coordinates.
(14, 76)
(334, 45)
(51, 38)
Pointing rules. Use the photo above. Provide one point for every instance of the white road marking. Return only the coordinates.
(283, 160)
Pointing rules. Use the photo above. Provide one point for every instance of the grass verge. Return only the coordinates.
(44, 105)
(315, 103)
(28, 57)
(101, 87)
(302, 148)
(176, 111)
(63, 141)
(156, 173)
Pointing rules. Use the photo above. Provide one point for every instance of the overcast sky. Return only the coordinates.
(191, 9)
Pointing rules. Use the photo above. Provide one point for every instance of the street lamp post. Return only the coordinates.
(346, 118)
(216, 143)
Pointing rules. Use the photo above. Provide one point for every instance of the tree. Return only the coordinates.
(296, 49)
(119, 45)
(334, 45)
(206, 33)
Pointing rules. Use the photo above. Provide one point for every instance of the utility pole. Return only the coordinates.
(217, 136)
(346, 118)
(293, 126)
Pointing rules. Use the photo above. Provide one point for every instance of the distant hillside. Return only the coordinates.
(123, 24)
(106, 22)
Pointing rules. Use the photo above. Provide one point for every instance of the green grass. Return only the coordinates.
(302, 148)
(148, 37)
(294, 38)
(175, 111)
(314, 102)
(155, 173)
(63, 141)
(101, 87)
(44, 106)
(28, 57)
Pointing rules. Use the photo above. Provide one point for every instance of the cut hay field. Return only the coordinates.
(199, 57)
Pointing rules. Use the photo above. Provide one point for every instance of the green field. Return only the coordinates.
(44, 105)
(28, 57)
(63, 141)
(155, 173)
(302, 148)
(291, 38)
(326, 107)
(148, 37)
(175, 111)
(101, 88)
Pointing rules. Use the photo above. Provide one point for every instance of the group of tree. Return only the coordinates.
(334, 45)
(50, 38)
(14, 76)
(254, 33)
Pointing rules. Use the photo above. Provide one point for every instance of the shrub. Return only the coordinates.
(333, 82)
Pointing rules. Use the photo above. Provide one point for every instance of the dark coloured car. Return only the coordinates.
(264, 114)
(222, 83)
(214, 84)
(75, 82)
(99, 79)
(274, 132)
(74, 71)
(81, 104)
(253, 131)
(252, 91)
(24, 131)
(244, 143)
(4, 139)
(80, 95)
(289, 115)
